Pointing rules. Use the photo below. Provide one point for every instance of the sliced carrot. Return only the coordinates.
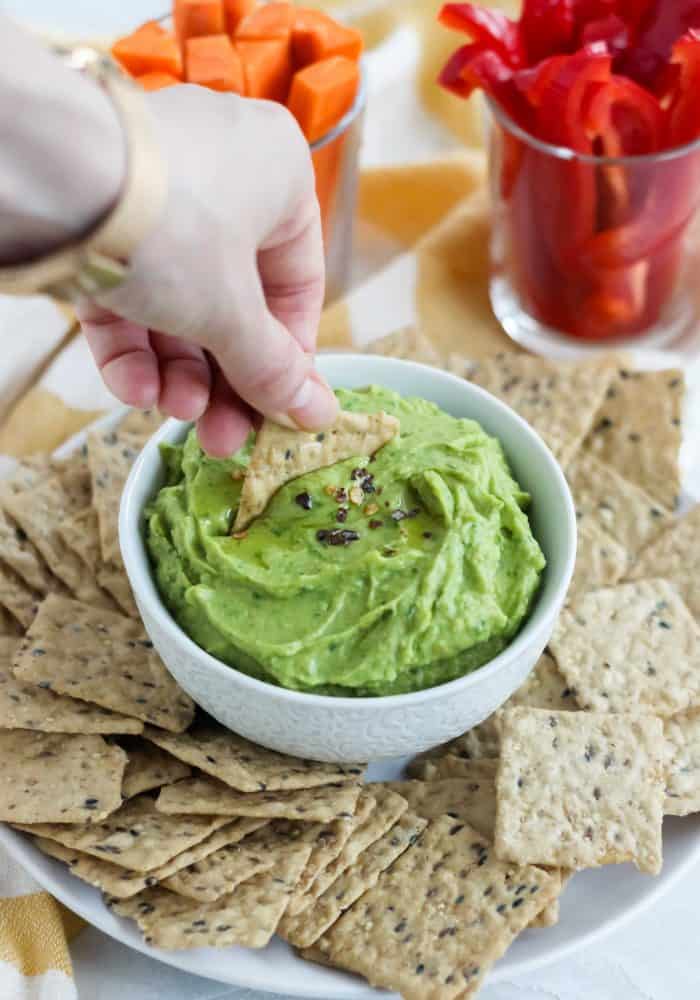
(149, 49)
(156, 81)
(322, 93)
(235, 11)
(273, 20)
(194, 18)
(212, 61)
(317, 36)
(267, 67)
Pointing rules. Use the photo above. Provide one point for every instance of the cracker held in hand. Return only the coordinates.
(246, 766)
(683, 766)
(632, 647)
(205, 796)
(675, 555)
(580, 789)
(281, 455)
(104, 658)
(150, 767)
(439, 917)
(52, 778)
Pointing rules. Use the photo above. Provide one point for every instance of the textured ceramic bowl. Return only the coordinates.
(351, 729)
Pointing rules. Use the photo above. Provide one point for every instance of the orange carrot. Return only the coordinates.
(194, 18)
(322, 93)
(156, 81)
(212, 61)
(149, 49)
(267, 68)
(235, 11)
(316, 36)
(273, 20)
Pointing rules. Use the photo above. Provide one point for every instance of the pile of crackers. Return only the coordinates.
(205, 839)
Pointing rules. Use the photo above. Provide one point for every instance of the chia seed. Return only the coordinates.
(337, 537)
(304, 500)
(342, 515)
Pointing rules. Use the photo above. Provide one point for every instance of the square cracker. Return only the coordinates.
(54, 778)
(470, 798)
(600, 561)
(439, 917)
(103, 658)
(205, 796)
(26, 706)
(632, 647)
(543, 391)
(246, 766)
(150, 767)
(111, 455)
(136, 836)
(683, 765)
(306, 928)
(638, 431)
(247, 917)
(280, 455)
(408, 344)
(620, 508)
(675, 555)
(23, 557)
(580, 789)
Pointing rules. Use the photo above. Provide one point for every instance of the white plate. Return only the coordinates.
(594, 904)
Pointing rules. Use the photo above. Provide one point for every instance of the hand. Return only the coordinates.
(219, 315)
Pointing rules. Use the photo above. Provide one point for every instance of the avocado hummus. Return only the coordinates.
(366, 578)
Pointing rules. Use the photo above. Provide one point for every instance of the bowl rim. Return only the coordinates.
(136, 562)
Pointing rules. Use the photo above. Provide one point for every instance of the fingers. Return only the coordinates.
(225, 425)
(185, 377)
(123, 353)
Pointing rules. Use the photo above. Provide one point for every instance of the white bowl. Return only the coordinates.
(351, 729)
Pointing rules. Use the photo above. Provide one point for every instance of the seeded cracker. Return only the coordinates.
(633, 647)
(600, 561)
(114, 580)
(542, 391)
(103, 658)
(52, 778)
(247, 917)
(637, 430)
(23, 558)
(303, 930)
(111, 456)
(149, 767)
(81, 534)
(439, 917)
(450, 766)
(17, 598)
(473, 801)
(675, 555)
(9, 626)
(408, 344)
(205, 796)
(281, 455)
(246, 766)
(136, 836)
(683, 766)
(142, 424)
(580, 789)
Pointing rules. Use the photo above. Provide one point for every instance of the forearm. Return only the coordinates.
(62, 156)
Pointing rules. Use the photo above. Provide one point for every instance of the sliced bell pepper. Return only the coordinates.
(660, 25)
(475, 67)
(683, 112)
(611, 31)
(547, 27)
(534, 81)
(623, 119)
(490, 28)
(560, 116)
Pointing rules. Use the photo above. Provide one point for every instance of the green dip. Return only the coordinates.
(438, 581)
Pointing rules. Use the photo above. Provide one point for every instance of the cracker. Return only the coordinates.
(246, 766)
(452, 766)
(149, 767)
(600, 562)
(638, 431)
(205, 796)
(632, 647)
(280, 455)
(408, 344)
(17, 598)
(675, 555)
(247, 917)
(580, 789)
(74, 474)
(112, 578)
(54, 778)
(231, 833)
(23, 558)
(81, 534)
(439, 917)
(116, 881)
(136, 836)
(9, 626)
(471, 798)
(620, 508)
(306, 928)
(26, 706)
(111, 455)
(141, 424)
(103, 658)
(683, 765)
(542, 392)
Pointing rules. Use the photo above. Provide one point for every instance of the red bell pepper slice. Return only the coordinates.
(534, 81)
(611, 31)
(486, 27)
(547, 27)
(475, 67)
(659, 25)
(560, 117)
(684, 113)
(623, 119)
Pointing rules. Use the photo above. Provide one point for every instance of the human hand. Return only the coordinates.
(218, 317)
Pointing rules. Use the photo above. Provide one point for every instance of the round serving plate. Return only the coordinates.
(596, 903)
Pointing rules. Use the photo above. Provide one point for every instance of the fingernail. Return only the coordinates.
(314, 405)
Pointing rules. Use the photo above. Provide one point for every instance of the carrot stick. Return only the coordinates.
(267, 68)
(273, 20)
(156, 81)
(322, 93)
(198, 17)
(149, 49)
(316, 36)
(213, 62)
(235, 11)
